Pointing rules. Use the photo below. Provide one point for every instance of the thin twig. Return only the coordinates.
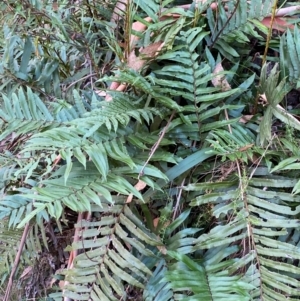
(226, 23)
(266, 51)
(270, 32)
(178, 200)
(16, 263)
(73, 253)
(155, 146)
(227, 118)
(82, 78)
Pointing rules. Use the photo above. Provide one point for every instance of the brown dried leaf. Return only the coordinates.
(162, 249)
(137, 63)
(100, 93)
(138, 186)
(244, 148)
(152, 49)
(61, 284)
(279, 23)
(219, 80)
(155, 222)
(27, 272)
(245, 118)
(263, 99)
(140, 27)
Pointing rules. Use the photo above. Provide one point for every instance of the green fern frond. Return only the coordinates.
(106, 266)
(144, 86)
(234, 24)
(290, 55)
(14, 206)
(239, 143)
(206, 280)
(151, 8)
(9, 239)
(110, 116)
(98, 141)
(10, 242)
(83, 189)
(272, 93)
(257, 217)
(24, 113)
(184, 77)
(157, 288)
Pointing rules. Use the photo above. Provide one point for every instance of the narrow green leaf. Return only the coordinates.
(27, 51)
(32, 214)
(80, 156)
(138, 232)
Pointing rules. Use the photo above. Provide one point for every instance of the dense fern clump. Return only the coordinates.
(145, 155)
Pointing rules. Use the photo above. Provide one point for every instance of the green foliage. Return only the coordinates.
(116, 229)
(206, 280)
(227, 33)
(216, 215)
(290, 55)
(263, 220)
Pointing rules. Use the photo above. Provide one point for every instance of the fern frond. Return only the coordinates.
(184, 76)
(143, 85)
(257, 217)
(10, 243)
(14, 207)
(106, 267)
(83, 189)
(24, 113)
(157, 288)
(151, 8)
(272, 92)
(290, 55)
(237, 144)
(234, 24)
(9, 238)
(206, 280)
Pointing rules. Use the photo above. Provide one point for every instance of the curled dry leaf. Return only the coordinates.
(138, 27)
(27, 272)
(137, 63)
(100, 93)
(138, 186)
(244, 148)
(263, 99)
(279, 23)
(155, 222)
(219, 80)
(162, 249)
(245, 118)
(61, 284)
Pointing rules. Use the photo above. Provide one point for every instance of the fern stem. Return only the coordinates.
(16, 263)
(266, 49)
(178, 198)
(270, 31)
(226, 23)
(155, 146)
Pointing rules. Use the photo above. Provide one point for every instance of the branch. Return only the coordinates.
(16, 263)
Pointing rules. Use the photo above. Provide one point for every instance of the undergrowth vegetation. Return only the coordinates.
(149, 151)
